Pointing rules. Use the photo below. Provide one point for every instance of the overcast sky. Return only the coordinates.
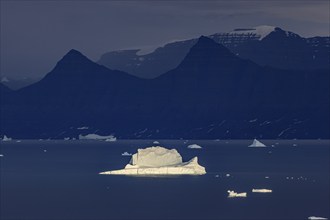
(36, 34)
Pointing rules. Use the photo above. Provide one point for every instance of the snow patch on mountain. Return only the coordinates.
(260, 31)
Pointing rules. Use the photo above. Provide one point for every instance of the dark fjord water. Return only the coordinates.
(59, 180)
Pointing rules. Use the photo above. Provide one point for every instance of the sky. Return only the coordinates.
(34, 35)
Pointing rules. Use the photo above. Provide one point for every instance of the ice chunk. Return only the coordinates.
(126, 154)
(194, 146)
(262, 190)
(111, 139)
(97, 137)
(1, 155)
(257, 143)
(233, 194)
(156, 157)
(83, 128)
(316, 218)
(155, 142)
(66, 138)
(5, 138)
(159, 161)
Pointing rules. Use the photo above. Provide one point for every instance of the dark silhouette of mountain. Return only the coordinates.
(264, 45)
(4, 89)
(211, 94)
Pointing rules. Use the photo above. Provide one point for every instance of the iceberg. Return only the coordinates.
(316, 218)
(113, 138)
(233, 194)
(1, 155)
(262, 190)
(155, 142)
(83, 128)
(194, 146)
(159, 161)
(257, 143)
(97, 137)
(126, 154)
(5, 138)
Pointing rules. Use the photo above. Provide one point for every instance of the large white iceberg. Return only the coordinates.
(159, 161)
(97, 137)
(257, 143)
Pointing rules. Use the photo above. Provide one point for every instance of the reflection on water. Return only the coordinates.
(59, 180)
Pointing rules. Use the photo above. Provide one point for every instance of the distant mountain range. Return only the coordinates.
(264, 45)
(211, 94)
(19, 83)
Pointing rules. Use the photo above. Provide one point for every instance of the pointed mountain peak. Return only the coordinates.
(207, 51)
(74, 52)
(205, 43)
(205, 46)
(74, 55)
(73, 63)
(204, 39)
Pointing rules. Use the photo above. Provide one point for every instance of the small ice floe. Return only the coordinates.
(18, 141)
(66, 138)
(83, 128)
(155, 142)
(262, 190)
(316, 218)
(266, 177)
(227, 175)
(45, 150)
(257, 143)
(232, 194)
(126, 154)
(5, 138)
(113, 138)
(217, 176)
(294, 145)
(1, 155)
(194, 146)
(97, 137)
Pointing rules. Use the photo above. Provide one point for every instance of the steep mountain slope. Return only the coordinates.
(211, 94)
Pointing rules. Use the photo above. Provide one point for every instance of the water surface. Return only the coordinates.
(59, 180)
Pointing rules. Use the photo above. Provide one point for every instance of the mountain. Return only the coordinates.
(4, 89)
(211, 94)
(264, 45)
(149, 65)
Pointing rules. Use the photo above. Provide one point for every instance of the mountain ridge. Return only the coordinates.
(247, 44)
(197, 99)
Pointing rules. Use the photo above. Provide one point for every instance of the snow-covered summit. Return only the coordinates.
(259, 32)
